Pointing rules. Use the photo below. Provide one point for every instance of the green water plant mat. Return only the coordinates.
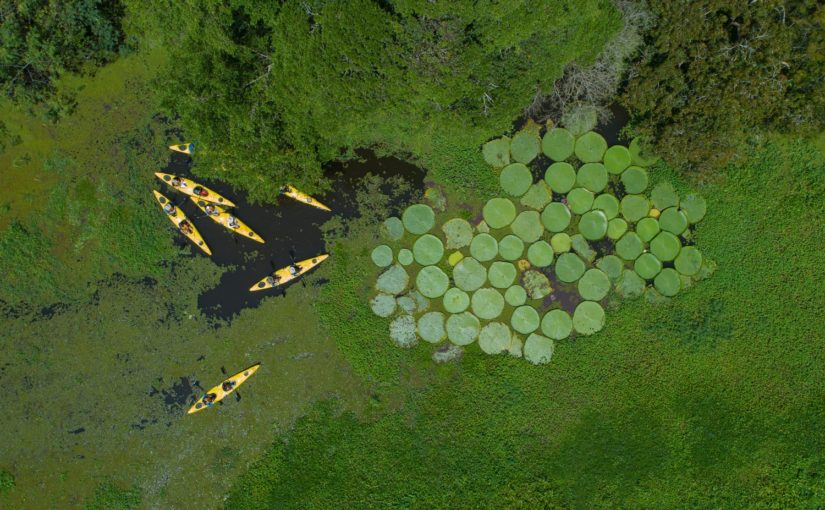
(673, 220)
(694, 208)
(664, 196)
(635, 207)
(405, 257)
(665, 246)
(592, 176)
(668, 282)
(630, 246)
(647, 266)
(593, 225)
(458, 232)
(608, 204)
(689, 261)
(515, 295)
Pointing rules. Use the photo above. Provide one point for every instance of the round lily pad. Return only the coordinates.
(630, 285)
(515, 295)
(634, 179)
(647, 266)
(499, 212)
(668, 282)
(407, 304)
(515, 179)
(588, 318)
(497, 152)
(432, 282)
(569, 267)
(383, 305)
(555, 217)
(525, 319)
(538, 349)
(402, 331)
(454, 258)
(612, 266)
(647, 228)
(456, 300)
(616, 159)
(484, 247)
(590, 147)
(405, 257)
(616, 228)
(540, 254)
(462, 328)
(694, 208)
(580, 200)
(560, 242)
(634, 207)
(431, 327)
(418, 219)
(594, 285)
(393, 281)
(689, 261)
(557, 324)
(665, 246)
(536, 284)
(510, 247)
(494, 338)
(561, 177)
(392, 228)
(382, 255)
(524, 147)
(487, 303)
(501, 274)
(469, 274)
(458, 232)
(608, 204)
(538, 196)
(592, 176)
(527, 226)
(673, 220)
(630, 246)
(428, 250)
(593, 225)
(664, 196)
(557, 144)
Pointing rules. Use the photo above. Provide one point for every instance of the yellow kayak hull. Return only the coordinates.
(222, 218)
(187, 186)
(176, 220)
(238, 378)
(283, 275)
(302, 197)
(183, 148)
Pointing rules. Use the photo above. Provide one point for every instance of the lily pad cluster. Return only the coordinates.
(541, 262)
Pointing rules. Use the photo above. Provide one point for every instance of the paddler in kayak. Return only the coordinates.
(177, 182)
(294, 269)
(198, 190)
(170, 209)
(228, 385)
(185, 227)
(272, 279)
(232, 222)
(209, 399)
(210, 210)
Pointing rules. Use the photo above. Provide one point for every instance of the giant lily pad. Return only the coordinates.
(588, 318)
(630, 246)
(647, 266)
(616, 159)
(668, 282)
(612, 266)
(487, 303)
(406, 304)
(515, 295)
(525, 146)
(484, 247)
(383, 305)
(527, 226)
(510, 247)
(538, 350)
(635, 207)
(393, 281)
(590, 147)
(462, 328)
(608, 204)
(561, 177)
(689, 261)
(456, 300)
(616, 228)
(495, 338)
(382, 255)
(405, 257)
(560, 242)
(459, 233)
(501, 274)
(557, 144)
(469, 274)
(536, 284)
(515, 179)
(665, 246)
(694, 208)
(540, 254)
(499, 212)
(525, 319)
(538, 196)
(392, 228)
(428, 250)
(673, 220)
(594, 285)
(634, 179)
(418, 219)
(557, 324)
(593, 225)
(580, 200)
(630, 285)
(647, 228)
(432, 282)
(664, 196)
(555, 217)
(402, 331)
(497, 152)
(431, 327)
(582, 247)
(592, 176)
(569, 267)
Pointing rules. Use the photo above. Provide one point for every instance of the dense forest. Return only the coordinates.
(712, 398)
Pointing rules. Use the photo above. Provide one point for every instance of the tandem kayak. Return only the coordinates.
(221, 217)
(183, 148)
(300, 196)
(220, 393)
(179, 217)
(283, 275)
(188, 187)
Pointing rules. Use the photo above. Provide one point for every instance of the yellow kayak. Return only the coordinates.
(235, 381)
(179, 217)
(188, 187)
(291, 192)
(221, 217)
(183, 148)
(284, 275)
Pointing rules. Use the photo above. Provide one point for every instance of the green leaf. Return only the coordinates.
(381, 255)
(499, 212)
(456, 300)
(580, 200)
(393, 281)
(484, 247)
(673, 220)
(594, 285)
(487, 303)
(561, 177)
(405, 257)
(458, 232)
(525, 319)
(536, 284)
(555, 217)
(582, 247)
(392, 229)
(510, 247)
(469, 274)
(560, 242)
(668, 282)
(630, 285)
(640, 157)
(590, 147)
(630, 246)
(515, 295)
(607, 203)
(403, 331)
(538, 350)
(527, 226)
(540, 254)
(592, 176)
(494, 338)
(432, 282)
(616, 228)
(557, 144)
(647, 266)
(635, 207)
(634, 180)
(593, 225)
(497, 152)
(525, 146)
(689, 261)
(515, 179)
(569, 267)
(383, 305)
(612, 266)
(557, 324)
(694, 208)
(648, 228)
(616, 159)
(588, 318)
(665, 246)
(664, 196)
(431, 327)
(538, 196)
(418, 219)
(462, 328)
(428, 250)
(501, 274)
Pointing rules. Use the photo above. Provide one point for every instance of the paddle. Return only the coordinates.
(292, 257)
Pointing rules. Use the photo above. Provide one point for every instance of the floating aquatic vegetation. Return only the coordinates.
(456, 300)
(569, 267)
(497, 152)
(501, 274)
(463, 328)
(556, 217)
(557, 144)
(405, 257)
(403, 331)
(459, 233)
(560, 242)
(689, 261)
(538, 196)
(527, 226)
(616, 159)
(673, 220)
(495, 338)
(418, 219)
(499, 212)
(484, 247)
(580, 200)
(525, 145)
(594, 285)
(635, 207)
(382, 255)
(612, 266)
(392, 228)
(557, 324)
(561, 177)
(525, 319)
(647, 229)
(664, 196)
(592, 176)
(616, 228)
(536, 284)
(428, 250)
(510, 247)
(538, 349)
(516, 179)
(694, 208)
(593, 225)
(383, 305)
(515, 295)
(588, 318)
(540, 254)
(630, 246)
(667, 282)
(647, 266)
(431, 327)
(665, 246)
(608, 204)
(487, 303)
(393, 281)
(582, 248)
(590, 147)
(432, 282)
